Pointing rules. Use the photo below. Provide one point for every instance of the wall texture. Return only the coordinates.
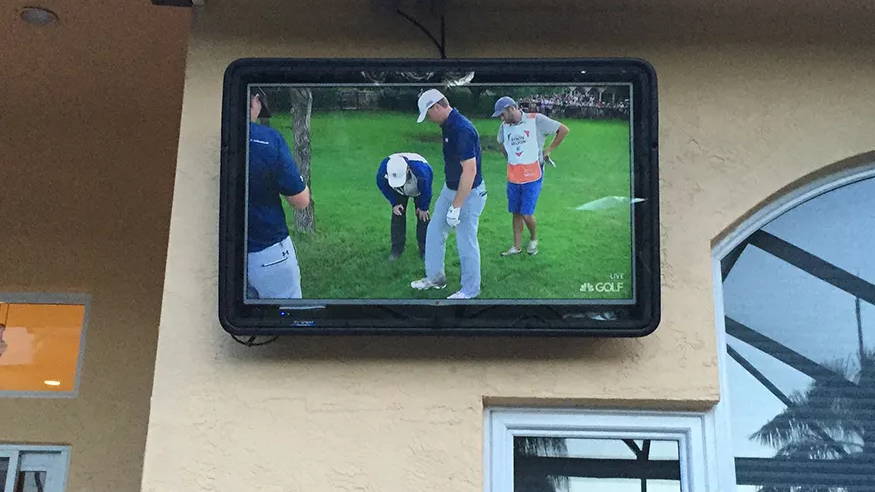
(89, 119)
(751, 99)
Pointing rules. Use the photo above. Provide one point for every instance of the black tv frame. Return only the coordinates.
(441, 317)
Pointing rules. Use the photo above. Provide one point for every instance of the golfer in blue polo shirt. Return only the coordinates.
(271, 264)
(460, 202)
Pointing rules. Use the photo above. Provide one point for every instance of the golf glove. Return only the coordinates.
(453, 216)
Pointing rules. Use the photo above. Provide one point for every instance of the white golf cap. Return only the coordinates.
(427, 100)
(396, 170)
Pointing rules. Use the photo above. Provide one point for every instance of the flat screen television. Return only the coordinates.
(505, 196)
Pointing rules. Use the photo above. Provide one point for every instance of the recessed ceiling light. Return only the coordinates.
(38, 16)
(49, 382)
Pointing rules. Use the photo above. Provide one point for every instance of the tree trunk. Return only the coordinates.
(301, 107)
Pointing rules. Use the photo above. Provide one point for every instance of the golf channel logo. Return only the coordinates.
(615, 284)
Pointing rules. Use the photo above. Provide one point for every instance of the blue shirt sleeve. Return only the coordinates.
(424, 177)
(289, 180)
(467, 144)
(383, 184)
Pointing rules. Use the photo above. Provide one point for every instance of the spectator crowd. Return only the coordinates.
(577, 104)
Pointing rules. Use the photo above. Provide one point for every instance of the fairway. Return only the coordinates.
(347, 255)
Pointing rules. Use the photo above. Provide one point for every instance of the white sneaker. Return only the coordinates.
(460, 295)
(424, 283)
(532, 249)
(512, 251)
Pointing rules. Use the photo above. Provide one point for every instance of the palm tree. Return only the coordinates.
(828, 421)
(539, 446)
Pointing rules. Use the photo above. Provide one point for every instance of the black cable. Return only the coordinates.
(441, 45)
(443, 38)
(251, 342)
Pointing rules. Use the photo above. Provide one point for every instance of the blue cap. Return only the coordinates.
(503, 103)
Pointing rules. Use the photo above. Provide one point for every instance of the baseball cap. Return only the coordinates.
(427, 100)
(396, 170)
(265, 110)
(503, 103)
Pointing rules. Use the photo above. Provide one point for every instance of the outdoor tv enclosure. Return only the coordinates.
(593, 271)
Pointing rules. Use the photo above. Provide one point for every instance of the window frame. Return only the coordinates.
(722, 415)
(694, 432)
(14, 452)
(54, 298)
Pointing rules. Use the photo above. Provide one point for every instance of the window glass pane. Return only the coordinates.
(663, 450)
(39, 346)
(802, 312)
(4, 466)
(595, 465)
(758, 405)
(598, 448)
(800, 323)
(31, 481)
(843, 221)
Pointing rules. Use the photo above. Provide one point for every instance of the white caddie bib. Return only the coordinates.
(523, 153)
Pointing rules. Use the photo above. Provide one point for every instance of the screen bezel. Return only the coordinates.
(485, 317)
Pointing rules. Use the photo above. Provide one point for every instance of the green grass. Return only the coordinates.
(346, 257)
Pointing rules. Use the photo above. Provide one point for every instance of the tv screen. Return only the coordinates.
(439, 196)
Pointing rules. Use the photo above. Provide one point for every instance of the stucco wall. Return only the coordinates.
(89, 118)
(751, 98)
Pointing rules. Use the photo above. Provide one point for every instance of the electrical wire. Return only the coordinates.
(440, 45)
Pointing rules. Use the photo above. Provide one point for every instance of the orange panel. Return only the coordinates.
(40, 346)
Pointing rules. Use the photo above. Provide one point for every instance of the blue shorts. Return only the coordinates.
(522, 198)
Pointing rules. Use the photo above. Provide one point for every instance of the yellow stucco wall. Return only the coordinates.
(751, 99)
(89, 119)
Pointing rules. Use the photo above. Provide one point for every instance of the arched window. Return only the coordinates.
(797, 331)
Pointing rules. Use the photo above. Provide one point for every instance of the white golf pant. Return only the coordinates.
(466, 238)
(273, 272)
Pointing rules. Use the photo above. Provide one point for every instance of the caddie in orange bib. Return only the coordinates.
(522, 137)
(523, 152)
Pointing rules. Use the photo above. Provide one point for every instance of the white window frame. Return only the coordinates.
(54, 460)
(62, 299)
(694, 432)
(722, 411)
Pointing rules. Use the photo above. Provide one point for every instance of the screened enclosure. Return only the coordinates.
(799, 306)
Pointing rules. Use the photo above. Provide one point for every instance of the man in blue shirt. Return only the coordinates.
(460, 202)
(271, 264)
(401, 176)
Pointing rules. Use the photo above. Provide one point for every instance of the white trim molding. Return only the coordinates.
(53, 460)
(694, 433)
